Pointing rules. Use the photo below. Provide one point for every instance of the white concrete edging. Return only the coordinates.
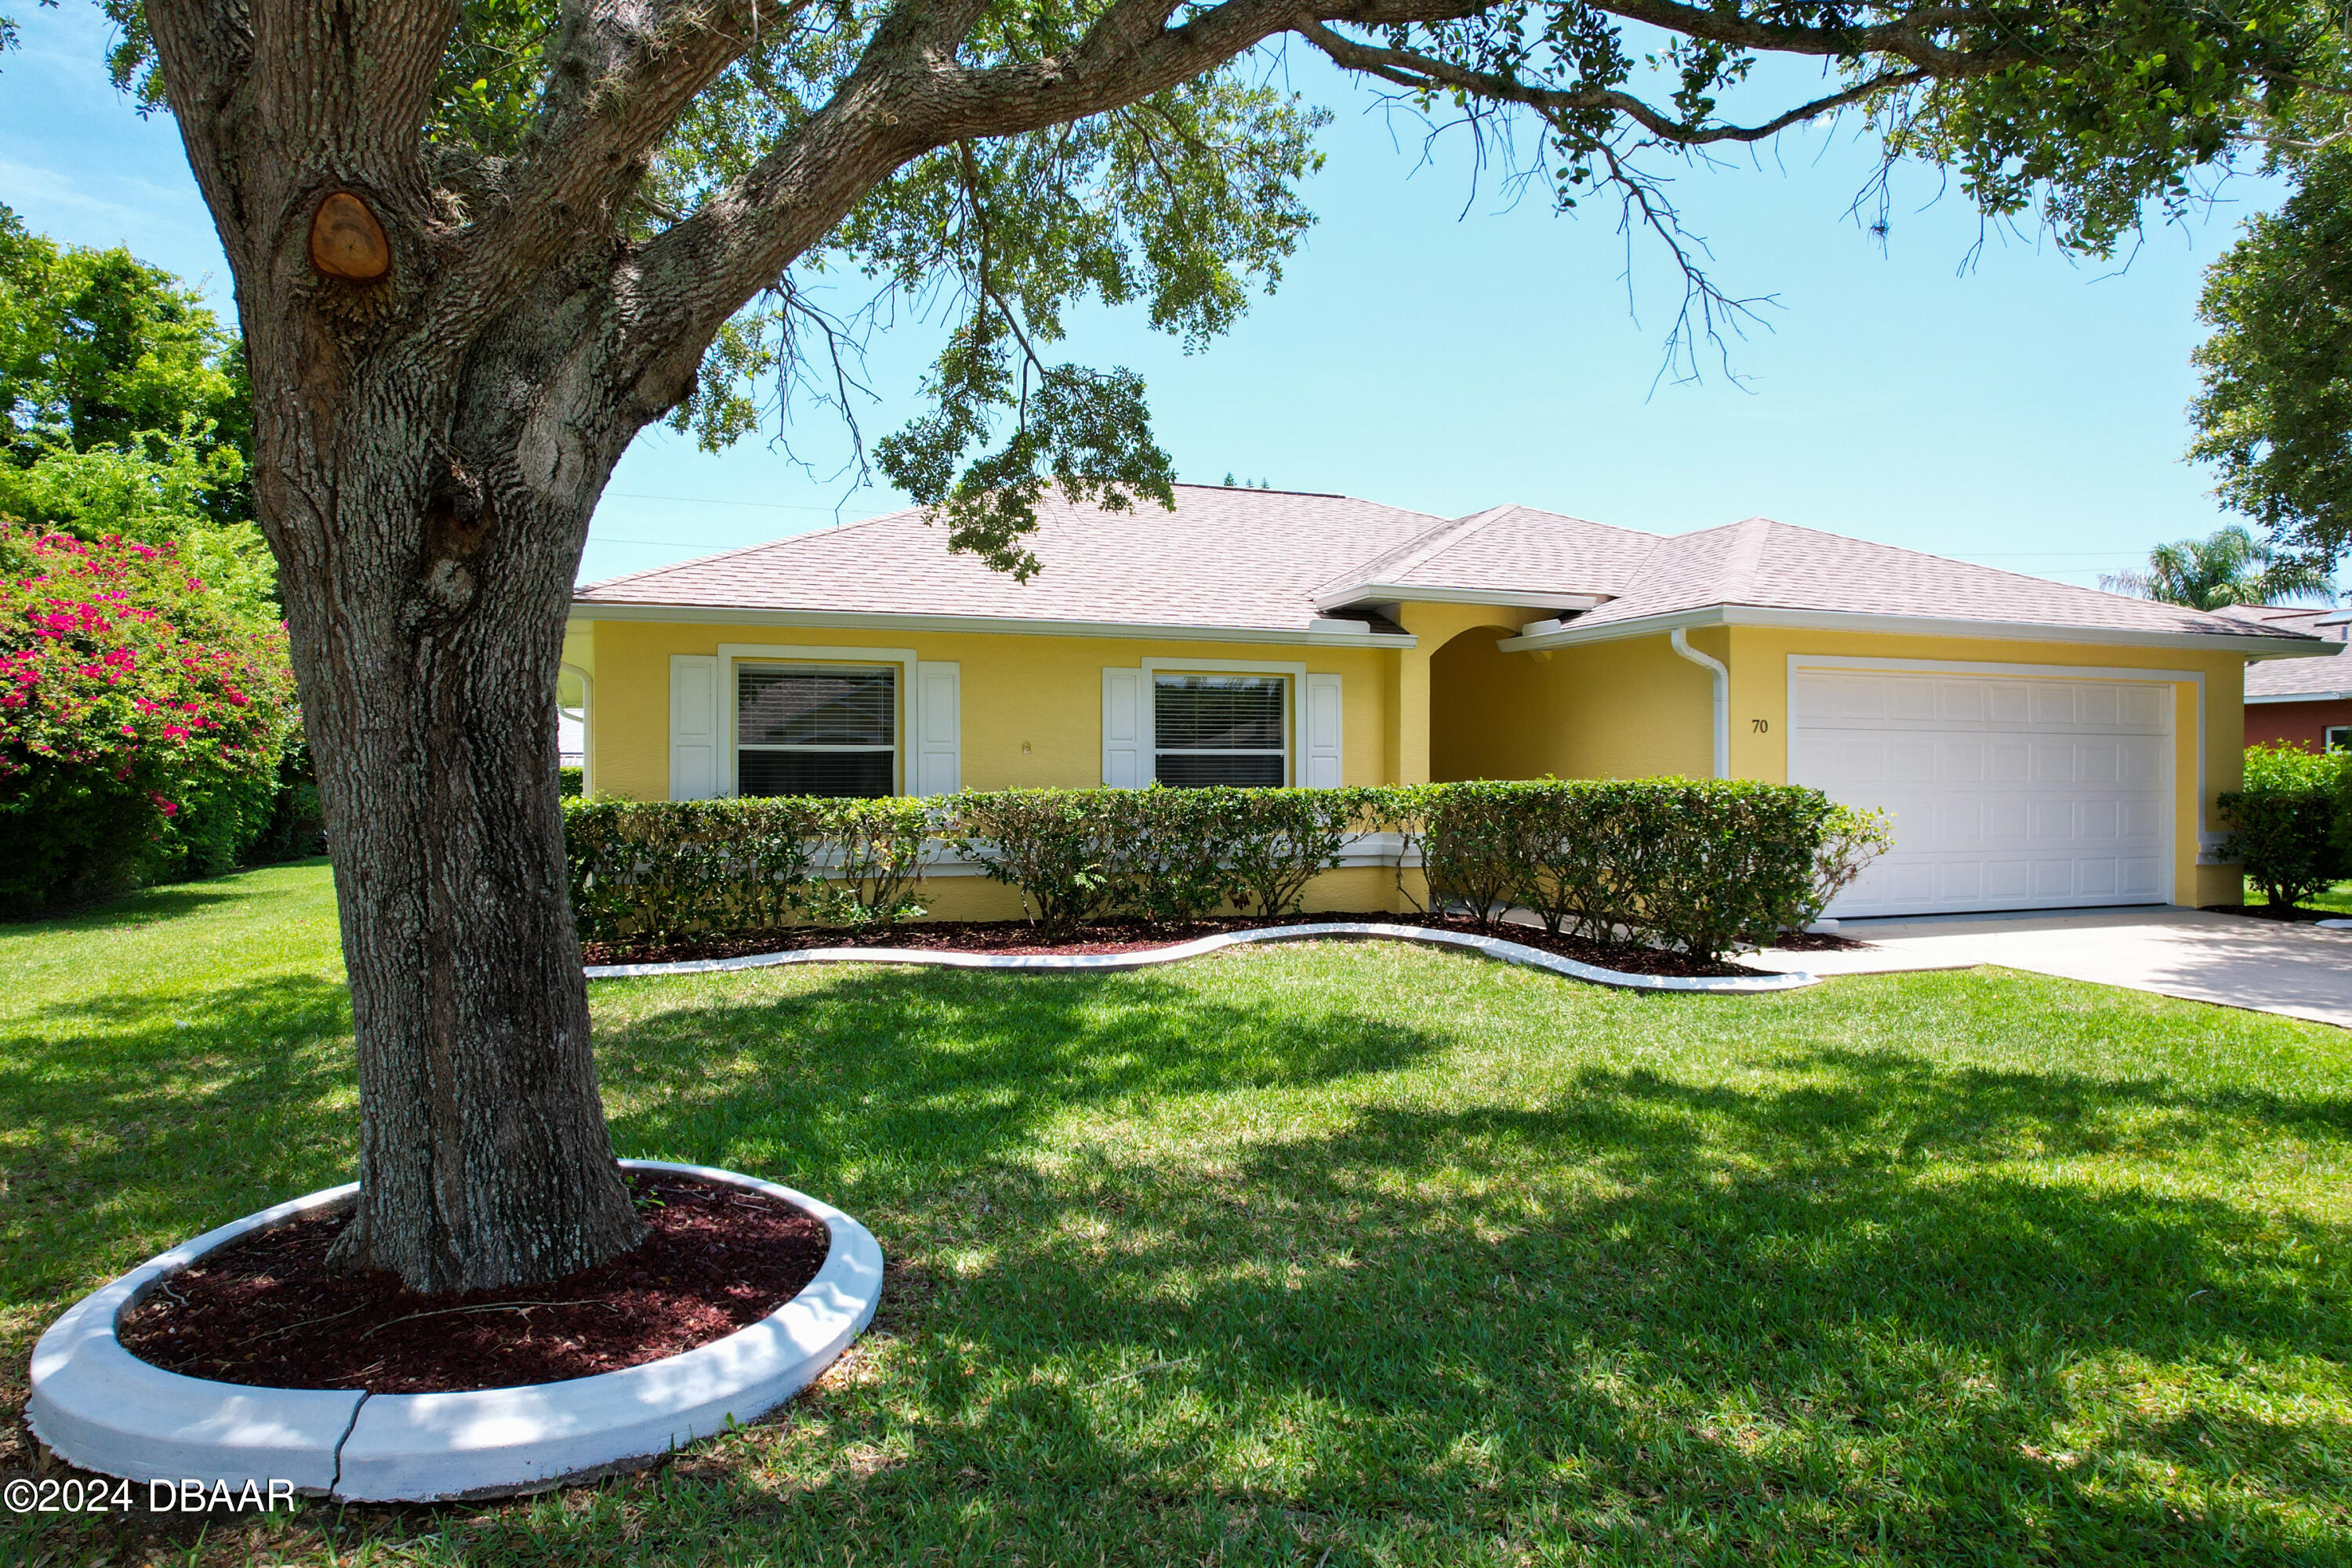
(1112, 963)
(104, 1409)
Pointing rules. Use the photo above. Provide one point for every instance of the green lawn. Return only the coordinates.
(2337, 896)
(1340, 1255)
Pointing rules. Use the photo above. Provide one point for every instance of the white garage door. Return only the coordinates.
(2006, 793)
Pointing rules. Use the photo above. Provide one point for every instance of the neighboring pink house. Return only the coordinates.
(2303, 702)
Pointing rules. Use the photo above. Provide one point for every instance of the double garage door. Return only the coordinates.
(2006, 793)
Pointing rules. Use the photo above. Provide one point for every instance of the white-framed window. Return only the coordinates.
(1220, 728)
(817, 729)
(2338, 738)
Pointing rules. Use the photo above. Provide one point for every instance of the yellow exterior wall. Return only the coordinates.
(1032, 706)
(1759, 690)
(1031, 711)
(1410, 693)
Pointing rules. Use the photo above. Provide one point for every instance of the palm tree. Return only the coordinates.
(2233, 567)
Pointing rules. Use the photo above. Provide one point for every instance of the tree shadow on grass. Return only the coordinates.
(128, 1119)
(874, 1067)
(1864, 1303)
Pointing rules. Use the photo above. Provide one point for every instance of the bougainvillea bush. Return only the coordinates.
(142, 717)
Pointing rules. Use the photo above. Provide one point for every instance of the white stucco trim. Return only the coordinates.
(589, 612)
(910, 694)
(2209, 839)
(2252, 701)
(1573, 634)
(587, 725)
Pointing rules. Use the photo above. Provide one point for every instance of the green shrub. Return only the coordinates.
(1169, 852)
(1721, 864)
(2285, 767)
(1473, 839)
(1283, 838)
(571, 782)
(1852, 837)
(1701, 866)
(661, 868)
(142, 717)
(876, 853)
(1053, 845)
(2285, 825)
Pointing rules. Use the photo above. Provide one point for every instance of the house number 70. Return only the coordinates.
(1761, 726)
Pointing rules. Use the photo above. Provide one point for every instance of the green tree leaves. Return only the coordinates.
(100, 352)
(2276, 413)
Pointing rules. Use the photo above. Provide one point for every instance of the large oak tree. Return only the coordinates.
(478, 244)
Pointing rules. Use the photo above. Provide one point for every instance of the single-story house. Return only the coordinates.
(2040, 745)
(2304, 702)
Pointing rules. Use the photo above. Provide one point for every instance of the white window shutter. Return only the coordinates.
(939, 728)
(694, 771)
(1322, 749)
(1126, 758)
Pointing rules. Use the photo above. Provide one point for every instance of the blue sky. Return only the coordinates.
(1437, 347)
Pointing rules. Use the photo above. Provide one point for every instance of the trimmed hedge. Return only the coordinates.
(2290, 824)
(1164, 854)
(662, 868)
(1705, 867)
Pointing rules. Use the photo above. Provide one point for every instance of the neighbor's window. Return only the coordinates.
(815, 730)
(2338, 738)
(1220, 728)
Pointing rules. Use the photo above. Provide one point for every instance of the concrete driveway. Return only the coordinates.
(2270, 966)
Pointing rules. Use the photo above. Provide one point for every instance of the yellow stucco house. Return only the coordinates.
(2040, 745)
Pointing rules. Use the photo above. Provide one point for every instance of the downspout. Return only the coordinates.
(1722, 699)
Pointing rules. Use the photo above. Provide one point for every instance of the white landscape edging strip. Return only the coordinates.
(104, 1409)
(1111, 962)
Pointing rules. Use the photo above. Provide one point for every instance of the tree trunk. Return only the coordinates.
(427, 588)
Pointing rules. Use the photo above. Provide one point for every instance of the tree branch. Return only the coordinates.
(1423, 72)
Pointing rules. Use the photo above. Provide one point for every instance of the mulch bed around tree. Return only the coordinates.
(1121, 934)
(2296, 913)
(266, 1311)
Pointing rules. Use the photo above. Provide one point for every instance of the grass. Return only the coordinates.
(2337, 896)
(1339, 1255)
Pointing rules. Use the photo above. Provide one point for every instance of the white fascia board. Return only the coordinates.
(1408, 592)
(2252, 699)
(1573, 634)
(589, 611)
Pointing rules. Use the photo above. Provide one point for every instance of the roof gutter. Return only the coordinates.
(1722, 698)
(2274, 646)
(996, 626)
(2252, 700)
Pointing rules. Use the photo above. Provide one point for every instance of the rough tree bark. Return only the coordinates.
(431, 443)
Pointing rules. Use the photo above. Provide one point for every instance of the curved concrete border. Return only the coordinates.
(103, 1408)
(1493, 947)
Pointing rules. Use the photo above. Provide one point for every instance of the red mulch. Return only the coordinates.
(1118, 934)
(2274, 911)
(266, 1311)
